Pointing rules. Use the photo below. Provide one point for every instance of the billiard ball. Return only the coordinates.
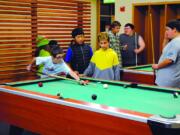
(59, 96)
(40, 84)
(175, 94)
(94, 97)
(105, 86)
(86, 81)
(62, 74)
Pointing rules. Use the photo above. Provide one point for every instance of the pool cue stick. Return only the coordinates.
(136, 48)
(65, 78)
(152, 38)
(54, 76)
(59, 77)
(152, 45)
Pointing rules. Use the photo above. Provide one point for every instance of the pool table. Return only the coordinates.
(139, 74)
(64, 107)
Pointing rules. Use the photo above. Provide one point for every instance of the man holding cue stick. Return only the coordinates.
(131, 55)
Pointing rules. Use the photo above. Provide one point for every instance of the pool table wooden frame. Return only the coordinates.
(137, 76)
(49, 115)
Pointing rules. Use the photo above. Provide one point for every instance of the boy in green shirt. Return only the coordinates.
(43, 50)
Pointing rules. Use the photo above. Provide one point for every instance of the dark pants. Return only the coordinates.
(15, 130)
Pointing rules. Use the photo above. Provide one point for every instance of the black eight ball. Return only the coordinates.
(94, 97)
(175, 94)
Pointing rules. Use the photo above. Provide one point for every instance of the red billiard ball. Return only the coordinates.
(86, 81)
(40, 84)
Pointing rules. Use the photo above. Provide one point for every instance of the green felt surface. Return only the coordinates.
(145, 68)
(137, 99)
(142, 68)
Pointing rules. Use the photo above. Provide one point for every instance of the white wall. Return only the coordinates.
(125, 17)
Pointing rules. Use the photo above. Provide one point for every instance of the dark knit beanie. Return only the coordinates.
(77, 31)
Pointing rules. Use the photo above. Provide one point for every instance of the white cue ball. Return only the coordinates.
(105, 86)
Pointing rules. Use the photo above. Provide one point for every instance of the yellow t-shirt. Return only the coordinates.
(105, 59)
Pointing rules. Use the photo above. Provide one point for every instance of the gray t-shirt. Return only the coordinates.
(170, 76)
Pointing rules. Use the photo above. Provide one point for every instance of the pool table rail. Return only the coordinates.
(173, 122)
(132, 74)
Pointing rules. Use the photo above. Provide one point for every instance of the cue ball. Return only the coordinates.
(175, 94)
(40, 84)
(105, 86)
(94, 97)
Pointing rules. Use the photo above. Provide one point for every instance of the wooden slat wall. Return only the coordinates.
(22, 20)
(15, 39)
(56, 19)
